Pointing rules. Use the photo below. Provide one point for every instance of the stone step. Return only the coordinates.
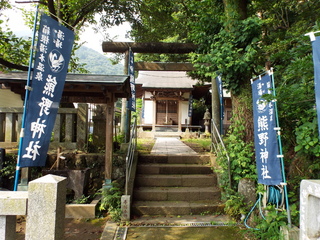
(177, 193)
(170, 132)
(180, 180)
(155, 168)
(140, 208)
(163, 158)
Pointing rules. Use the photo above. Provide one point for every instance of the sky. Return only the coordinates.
(93, 40)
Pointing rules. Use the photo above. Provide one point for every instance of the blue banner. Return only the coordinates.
(50, 69)
(265, 136)
(316, 64)
(190, 107)
(132, 100)
(220, 92)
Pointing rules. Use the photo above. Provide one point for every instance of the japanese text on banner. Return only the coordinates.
(50, 69)
(265, 138)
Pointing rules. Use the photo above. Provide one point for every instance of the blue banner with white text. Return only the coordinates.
(316, 64)
(132, 100)
(190, 106)
(220, 92)
(265, 134)
(50, 69)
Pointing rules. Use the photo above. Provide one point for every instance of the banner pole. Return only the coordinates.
(28, 89)
(281, 153)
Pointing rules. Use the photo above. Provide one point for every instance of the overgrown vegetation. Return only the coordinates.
(200, 145)
(144, 145)
(111, 200)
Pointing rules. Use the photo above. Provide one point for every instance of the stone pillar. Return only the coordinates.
(309, 209)
(2, 158)
(11, 205)
(69, 131)
(9, 127)
(57, 128)
(82, 125)
(125, 207)
(99, 126)
(7, 227)
(46, 208)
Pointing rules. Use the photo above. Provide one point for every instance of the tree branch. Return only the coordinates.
(52, 10)
(12, 65)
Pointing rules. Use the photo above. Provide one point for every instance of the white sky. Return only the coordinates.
(93, 40)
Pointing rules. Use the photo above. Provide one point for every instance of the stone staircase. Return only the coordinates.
(175, 185)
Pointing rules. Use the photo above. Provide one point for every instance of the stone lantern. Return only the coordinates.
(207, 118)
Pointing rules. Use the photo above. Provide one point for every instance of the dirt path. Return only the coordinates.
(75, 229)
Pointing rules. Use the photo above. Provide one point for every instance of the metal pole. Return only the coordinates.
(28, 89)
(281, 154)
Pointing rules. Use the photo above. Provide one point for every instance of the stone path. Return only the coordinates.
(172, 146)
(167, 146)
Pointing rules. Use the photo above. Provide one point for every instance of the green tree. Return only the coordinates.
(74, 14)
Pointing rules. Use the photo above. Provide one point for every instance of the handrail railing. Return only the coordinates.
(219, 147)
(130, 153)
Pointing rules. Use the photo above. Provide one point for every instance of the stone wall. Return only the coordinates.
(93, 161)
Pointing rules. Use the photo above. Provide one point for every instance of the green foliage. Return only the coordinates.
(269, 228)
(9, 166)
(137, 113)
(235, 206)
(233, 53)
(111, 201)
(307, 137)
(82, 200)
(242, 163)
(205, 143)
(13, 49)
(145, 145)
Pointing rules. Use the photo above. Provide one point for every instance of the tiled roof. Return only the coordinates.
(164, 79)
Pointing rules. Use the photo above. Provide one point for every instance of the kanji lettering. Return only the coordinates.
(38, 128)
(45, 105)
(32, 150)
(50, 86)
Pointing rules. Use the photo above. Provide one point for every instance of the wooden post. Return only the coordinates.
(154, 113)
(179, 115)
(109, 138)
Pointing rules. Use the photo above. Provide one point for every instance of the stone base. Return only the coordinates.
(309, 209)
(82, 210)
(289, 233)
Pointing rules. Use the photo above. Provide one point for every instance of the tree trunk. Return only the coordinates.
(242, 111)
(236, 10)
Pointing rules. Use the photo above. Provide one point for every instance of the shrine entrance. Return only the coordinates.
(167, 112)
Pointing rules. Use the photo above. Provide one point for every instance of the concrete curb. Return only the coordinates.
(109, 231)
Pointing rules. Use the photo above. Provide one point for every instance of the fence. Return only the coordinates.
(219, 147)
(70, 130)
(130, 154)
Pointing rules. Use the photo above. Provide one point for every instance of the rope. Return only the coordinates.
(260, 210)
(275, 196)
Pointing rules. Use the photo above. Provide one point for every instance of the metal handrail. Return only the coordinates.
(130, 153)
(219, 147)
